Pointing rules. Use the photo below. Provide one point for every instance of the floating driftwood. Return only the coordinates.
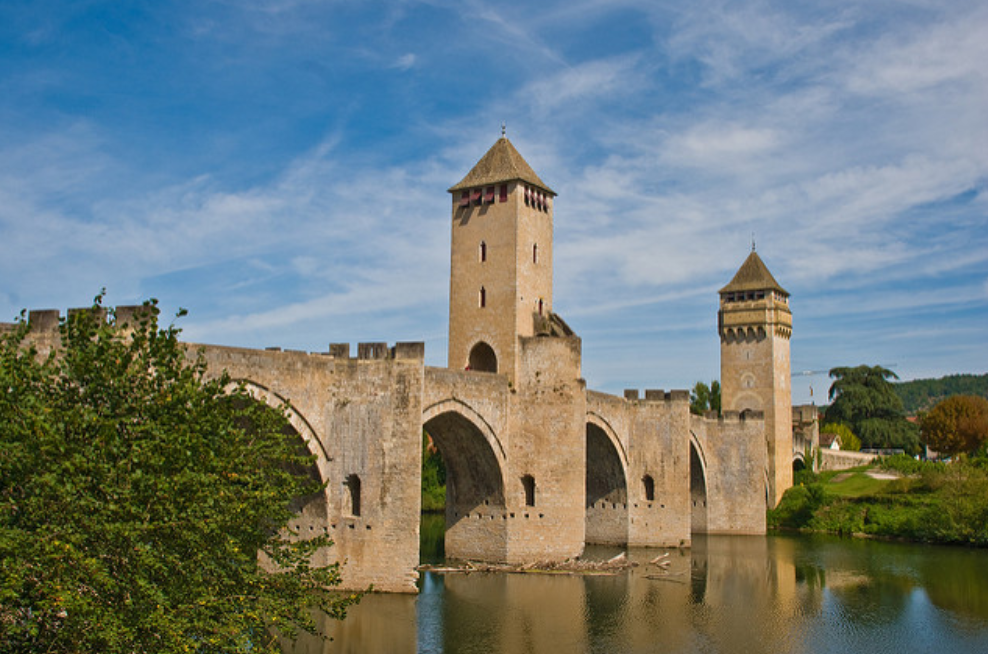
(569, 566)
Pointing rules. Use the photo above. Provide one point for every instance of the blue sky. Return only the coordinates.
(279, 168)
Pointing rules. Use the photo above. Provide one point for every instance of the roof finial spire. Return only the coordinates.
(753, 241)
(504, 128)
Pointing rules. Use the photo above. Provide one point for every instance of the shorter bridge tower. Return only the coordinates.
(501, 261)
(755, 324)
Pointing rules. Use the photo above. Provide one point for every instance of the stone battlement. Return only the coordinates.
(376, 351)
(656, 395)
(45, 322)
(734, 416)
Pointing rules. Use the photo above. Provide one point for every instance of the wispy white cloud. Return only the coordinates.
(850, 138)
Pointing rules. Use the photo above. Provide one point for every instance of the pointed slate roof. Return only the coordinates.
(753, 275)
(502, 163)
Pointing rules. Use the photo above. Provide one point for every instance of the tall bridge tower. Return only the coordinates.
(501, 261)
(755, 324)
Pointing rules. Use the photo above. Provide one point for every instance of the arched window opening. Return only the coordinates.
(649, 485)
(352, 496)
(483, 251)
(482, 358)
(528, 483)
(483, 297)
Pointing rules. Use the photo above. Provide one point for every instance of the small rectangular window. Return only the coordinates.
(489, 195)
(475, 196)
(504, 193)
(465, 199)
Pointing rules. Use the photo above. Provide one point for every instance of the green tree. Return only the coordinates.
(433, 476)
(864, 399)
(956, 425)
(143, 506)
(705, 398)
(848, 440)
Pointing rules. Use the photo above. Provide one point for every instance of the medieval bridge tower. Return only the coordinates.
(500, 261)
(755, 324)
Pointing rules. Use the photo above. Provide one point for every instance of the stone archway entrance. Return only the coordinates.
(483, 358)
(607, 491)
(476, 517)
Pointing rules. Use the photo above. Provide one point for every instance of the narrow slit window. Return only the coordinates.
(353, 495)
(528, 483)
(649, 485)
(483, 297)
(535, 253)
(483, 251)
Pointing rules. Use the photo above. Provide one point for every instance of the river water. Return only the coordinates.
(745, 594)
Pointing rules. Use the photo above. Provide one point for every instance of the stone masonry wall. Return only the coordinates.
(366, 414)
(732, 451)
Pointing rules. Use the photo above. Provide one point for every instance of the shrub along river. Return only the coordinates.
(774, 594)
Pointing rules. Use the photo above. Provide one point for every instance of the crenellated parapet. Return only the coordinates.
(379, 351)
(656, 395)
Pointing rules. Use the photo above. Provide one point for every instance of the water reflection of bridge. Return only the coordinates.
(774, 594)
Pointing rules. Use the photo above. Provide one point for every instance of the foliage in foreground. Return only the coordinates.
(135, 497)
(934, 503)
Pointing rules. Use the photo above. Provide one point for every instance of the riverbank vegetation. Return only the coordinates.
(144, 506)
(898, 498)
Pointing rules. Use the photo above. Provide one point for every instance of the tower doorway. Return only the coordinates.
(482, 358)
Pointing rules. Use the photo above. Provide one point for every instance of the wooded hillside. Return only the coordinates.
(923, 394)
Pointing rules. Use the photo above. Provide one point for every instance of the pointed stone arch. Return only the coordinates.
(698, 486)
(302, 426)
(606, 484)
(313, 511)
(476, 508)
(455, 405)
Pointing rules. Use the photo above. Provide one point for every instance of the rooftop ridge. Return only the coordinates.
(753, 275)
(502, 163)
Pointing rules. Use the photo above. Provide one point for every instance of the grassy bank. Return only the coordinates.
(898, 498)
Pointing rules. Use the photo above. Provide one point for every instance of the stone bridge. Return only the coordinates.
(537, 465)
(536, 468)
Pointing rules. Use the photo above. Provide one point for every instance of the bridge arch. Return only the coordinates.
(606, 484)
(601, 422)
(476, 514)
(312, 512)
(698, 486)
(298, 422)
